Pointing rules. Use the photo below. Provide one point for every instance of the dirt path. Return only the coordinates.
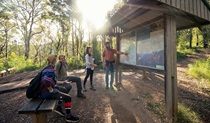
(192, 92)
(136, 100)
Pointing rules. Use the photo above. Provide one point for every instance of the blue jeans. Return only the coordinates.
(111, 69)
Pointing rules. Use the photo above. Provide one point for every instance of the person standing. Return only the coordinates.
(109, 61)
(49, 90)
(61, 72)
(89, 67)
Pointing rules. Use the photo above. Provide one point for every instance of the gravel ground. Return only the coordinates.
(136, 100)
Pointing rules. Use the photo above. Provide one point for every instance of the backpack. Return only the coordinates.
(33, 90)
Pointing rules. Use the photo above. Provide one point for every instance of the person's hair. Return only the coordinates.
(87, 51)
(51, 59)
(60, 56)
(108, 48)
(107, 43)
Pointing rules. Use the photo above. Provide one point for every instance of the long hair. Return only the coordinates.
(87, 51)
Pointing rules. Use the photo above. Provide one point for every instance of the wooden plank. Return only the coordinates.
(31, 106)
(178, 4)
(183, 5)
(199, 8)
(168, 2)
(173, 3)
(191, 6)
(195, 7)
(202, 10)
(47, 106)
(164, 1)
(205, 13)
(39, 118)
(187, 6)
(208, 15)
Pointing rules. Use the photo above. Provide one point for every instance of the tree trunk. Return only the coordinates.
(28, 37)
(205, 42)
(197, 40)
(191, 33)
(73, 33)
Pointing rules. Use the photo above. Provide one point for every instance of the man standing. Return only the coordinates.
(108, 61)
(61, 73)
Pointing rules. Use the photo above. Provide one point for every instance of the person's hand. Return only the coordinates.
(50, 89)
(95, 65)
(65, 82)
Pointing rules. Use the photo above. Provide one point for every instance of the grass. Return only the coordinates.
(200, 69)
(185, 115)
(155, 107)
(186, 51)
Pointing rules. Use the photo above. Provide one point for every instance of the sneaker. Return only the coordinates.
(72, 119)
(92, 88)
(81, 95)
(107, 87)
(84, 88)
(59, 111)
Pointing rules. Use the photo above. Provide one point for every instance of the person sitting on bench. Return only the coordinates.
(50, 91)
(61, 73)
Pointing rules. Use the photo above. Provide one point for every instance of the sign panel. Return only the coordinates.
(128, 45)
(145, 46)
(150, 50)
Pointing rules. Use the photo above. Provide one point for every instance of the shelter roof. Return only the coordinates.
(136, 13)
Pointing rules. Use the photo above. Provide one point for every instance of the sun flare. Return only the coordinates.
(95, 11)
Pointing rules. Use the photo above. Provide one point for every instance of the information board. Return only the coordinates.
(145, 46)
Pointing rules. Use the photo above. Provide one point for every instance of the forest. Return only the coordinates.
(30, 30)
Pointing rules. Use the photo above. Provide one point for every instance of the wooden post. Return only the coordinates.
(39, 118)
(118, 58)
(145, 74)
(170, 69)
(120, 74)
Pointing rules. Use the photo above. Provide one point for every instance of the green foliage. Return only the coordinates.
(75, 63)
(200, 69)
(2, 67)
(185, 115)
(19, 63)
(184, 52)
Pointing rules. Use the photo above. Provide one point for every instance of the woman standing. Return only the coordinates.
(89, 67)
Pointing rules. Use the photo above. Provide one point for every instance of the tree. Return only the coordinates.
(27, 15)
(5, 26)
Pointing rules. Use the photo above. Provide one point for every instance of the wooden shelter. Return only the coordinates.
(141, 19)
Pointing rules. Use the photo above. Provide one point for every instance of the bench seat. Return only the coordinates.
(39, 108)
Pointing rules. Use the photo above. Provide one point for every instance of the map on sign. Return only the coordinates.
(128, 45)
(150, 50)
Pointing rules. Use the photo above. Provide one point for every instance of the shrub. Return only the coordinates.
(19, 63)
(75, 63)
(200, 69)
(185, 115)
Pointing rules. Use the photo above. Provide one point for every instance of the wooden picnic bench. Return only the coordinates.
(3, 72)
(38, 109)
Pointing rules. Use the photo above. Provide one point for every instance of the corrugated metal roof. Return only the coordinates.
(138, 12)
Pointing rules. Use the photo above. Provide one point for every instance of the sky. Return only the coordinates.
(95, 10)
